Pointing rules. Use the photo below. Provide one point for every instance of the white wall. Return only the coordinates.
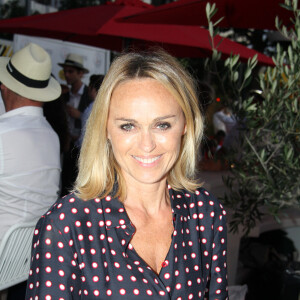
(96, 60)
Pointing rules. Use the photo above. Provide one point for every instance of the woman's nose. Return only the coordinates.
(147, 141)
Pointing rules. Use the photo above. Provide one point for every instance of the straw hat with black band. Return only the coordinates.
(28, 73)
(75, 61)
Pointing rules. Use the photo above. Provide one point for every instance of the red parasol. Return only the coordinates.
(98, 26)
(257, 14)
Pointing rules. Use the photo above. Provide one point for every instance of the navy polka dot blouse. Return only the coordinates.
(82, 250)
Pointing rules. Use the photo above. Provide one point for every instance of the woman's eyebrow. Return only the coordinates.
(125, 119)
(156, 119)
(164, 117)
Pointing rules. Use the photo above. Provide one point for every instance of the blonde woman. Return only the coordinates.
(138, 225)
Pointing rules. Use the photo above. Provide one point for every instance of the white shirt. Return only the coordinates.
(2, 108)
(222, 121)
(74, 101)
(29, 166)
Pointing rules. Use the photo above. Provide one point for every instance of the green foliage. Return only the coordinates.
(265, 163)
(12, 9)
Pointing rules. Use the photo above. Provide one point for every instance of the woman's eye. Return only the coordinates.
(164, 126)
(127, 127)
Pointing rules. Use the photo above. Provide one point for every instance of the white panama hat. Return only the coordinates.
(28, 73)
(75, 61)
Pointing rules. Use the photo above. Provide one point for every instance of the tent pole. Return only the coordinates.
(28, 7)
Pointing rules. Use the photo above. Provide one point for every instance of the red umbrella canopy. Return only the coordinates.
(98, 26)
(76, 25)
(257, 14)
(181, 41)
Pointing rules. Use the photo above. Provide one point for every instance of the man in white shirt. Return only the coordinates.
(29, 148)
(78, 97)
(77, 100)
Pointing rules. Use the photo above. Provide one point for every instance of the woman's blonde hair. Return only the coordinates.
(98, 170)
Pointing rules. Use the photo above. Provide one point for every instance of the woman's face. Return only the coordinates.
(145, 127)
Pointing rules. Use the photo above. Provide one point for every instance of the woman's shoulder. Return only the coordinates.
(66, 202)
(208, 199)
(200, 198)
(70, 208)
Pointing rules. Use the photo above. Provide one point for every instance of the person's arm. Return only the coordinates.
(73, 112)
(218, 276)
(54, 271)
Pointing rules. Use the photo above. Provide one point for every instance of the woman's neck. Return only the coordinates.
(149, 198)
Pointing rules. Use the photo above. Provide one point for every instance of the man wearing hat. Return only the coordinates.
(29, 148)
(77, 100)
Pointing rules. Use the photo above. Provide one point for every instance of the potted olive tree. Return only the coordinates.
(265, 160)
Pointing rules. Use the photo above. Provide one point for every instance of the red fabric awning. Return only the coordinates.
(257, 14)
(98, 26)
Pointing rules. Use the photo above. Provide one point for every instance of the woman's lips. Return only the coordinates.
(146, 161)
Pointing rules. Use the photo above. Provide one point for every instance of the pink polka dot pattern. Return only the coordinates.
(81, 250)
